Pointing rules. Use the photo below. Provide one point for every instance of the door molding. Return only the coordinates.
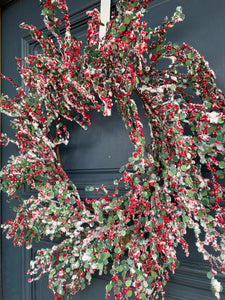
(1, 290)
(190, 277)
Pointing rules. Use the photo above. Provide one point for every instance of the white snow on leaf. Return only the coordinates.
(86, 257)
(173, 58)
(220, 147)
(213, 117)
(174, 78)
(216, 284)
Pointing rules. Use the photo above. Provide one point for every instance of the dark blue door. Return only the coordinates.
(94, 157)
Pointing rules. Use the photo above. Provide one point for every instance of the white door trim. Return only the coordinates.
(105, 16)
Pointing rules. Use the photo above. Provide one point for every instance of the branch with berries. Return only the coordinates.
(132, 233)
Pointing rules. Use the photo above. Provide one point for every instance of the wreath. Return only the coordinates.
(163, 191)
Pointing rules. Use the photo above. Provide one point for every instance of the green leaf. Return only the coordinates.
(175, 158)
(122, 169)
(140, 277)
(145, 195)
(100, 266)
(165, 155)
(128, 283)
(136, 80)
(122, 28)
(142, 295)
(190, 193)
(208, 104)
(109, 287)
(46, 11)
(129, 293)
(72, 200)
(172, 170)
(89, 188)
(222, 164)
(210, 218)
(173, 87)
(142, 170)
(185, 219)
(124, 39)
(153, 274)
(210, 275)
(187, 180)
(51, 274)
(179, 9)
(127, 20)
(200, 214)
(113, 46)
(123, 233)
(187, 62)
(120, 269)
(183, 116)
(183, 168)
(220, 173)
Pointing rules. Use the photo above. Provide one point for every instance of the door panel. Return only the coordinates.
(94, 156)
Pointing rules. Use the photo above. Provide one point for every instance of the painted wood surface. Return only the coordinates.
(94, 157)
